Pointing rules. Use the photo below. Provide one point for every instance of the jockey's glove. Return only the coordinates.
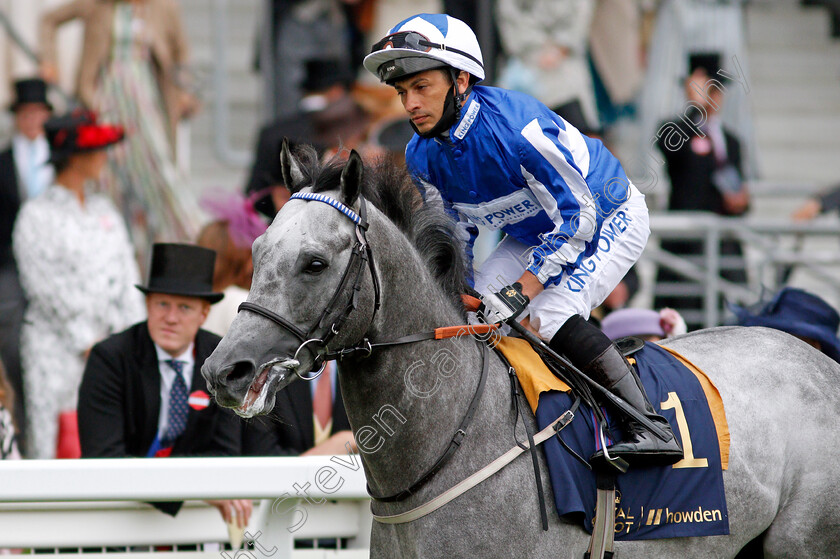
(507, 303)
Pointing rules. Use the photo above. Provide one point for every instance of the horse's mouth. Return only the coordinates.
(272, 375)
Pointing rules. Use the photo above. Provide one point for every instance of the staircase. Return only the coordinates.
(795, 68)
(244, 89)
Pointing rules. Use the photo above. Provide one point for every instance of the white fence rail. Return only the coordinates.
(772, 245)
(100, 504)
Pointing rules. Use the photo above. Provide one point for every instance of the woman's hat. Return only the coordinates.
(181, 269)
(79, 132)
(33, 90)
(799, 313)
(632, 322)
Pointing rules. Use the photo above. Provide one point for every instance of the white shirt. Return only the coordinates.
(33, 171)
(167, 377)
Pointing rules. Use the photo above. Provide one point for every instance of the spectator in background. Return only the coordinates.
(143, 395)
(133, 71)
(617, 58)
(704, 164)
(646, 324)
(821, 203)
(546, 45)
(235, 228)
(306, 32)
(681, 28)
(76, 267)
(619, 297)
(24, 174)
(328, 119)
(8, 438)
(799, 313)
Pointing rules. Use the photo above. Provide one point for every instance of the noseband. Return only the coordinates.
(353, 273)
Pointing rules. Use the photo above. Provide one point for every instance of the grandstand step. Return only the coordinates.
(794, 97)
(799, 130)
(790, 64)
(797, 165)
(786, 24)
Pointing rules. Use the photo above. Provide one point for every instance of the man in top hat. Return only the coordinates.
(799, 313)
(704, 165)
(142, 394)
(327, 118)
(24, 173)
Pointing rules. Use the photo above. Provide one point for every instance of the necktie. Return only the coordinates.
(177, 404)
(322, 402)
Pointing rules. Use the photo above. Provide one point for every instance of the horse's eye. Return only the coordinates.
(315, 267)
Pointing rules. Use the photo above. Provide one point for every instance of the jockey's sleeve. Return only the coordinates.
(466, 231)
(554, 163)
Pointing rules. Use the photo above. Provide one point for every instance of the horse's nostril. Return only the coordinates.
(241, 371)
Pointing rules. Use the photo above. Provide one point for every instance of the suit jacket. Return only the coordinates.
(289, 429)
(691, 172)
(166, 35)
(119, 403)
(9, 205)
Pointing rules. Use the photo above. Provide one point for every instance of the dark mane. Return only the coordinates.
(389, 188)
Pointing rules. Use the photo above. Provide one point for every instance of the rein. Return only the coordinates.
(362, 254)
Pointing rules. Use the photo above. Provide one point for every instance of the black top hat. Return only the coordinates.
(321, 74)
(33, 90)
(79, 132)
(180, 269)
(708, 61)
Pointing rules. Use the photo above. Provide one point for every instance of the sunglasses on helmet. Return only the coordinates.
(415, 41)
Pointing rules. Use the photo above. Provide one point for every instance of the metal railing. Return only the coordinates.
(775, 248)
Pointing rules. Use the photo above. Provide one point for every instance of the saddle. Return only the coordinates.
(685, 499)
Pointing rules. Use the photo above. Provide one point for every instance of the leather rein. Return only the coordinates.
(353, 274)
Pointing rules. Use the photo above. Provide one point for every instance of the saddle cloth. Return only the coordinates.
(686, 499)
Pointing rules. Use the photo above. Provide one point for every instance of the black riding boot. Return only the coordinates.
(592, 352)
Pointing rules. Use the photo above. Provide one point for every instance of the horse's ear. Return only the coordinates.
(351, 178)
(289, 168)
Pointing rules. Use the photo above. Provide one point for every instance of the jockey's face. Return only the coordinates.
(424, 94)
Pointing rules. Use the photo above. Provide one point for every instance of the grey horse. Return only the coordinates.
(406, 401)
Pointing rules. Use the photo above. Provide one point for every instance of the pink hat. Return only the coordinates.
(632, 322)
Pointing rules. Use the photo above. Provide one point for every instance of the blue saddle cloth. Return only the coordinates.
(652, 502)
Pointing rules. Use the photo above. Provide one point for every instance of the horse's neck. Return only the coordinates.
(405, 402)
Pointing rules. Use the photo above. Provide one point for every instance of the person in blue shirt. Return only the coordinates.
(574, 224)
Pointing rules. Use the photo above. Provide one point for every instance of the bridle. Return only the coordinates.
(321, 333)
(353, 273)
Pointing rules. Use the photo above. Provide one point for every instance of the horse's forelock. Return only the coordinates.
(389, 188)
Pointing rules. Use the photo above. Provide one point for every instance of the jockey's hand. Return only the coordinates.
(507, 303)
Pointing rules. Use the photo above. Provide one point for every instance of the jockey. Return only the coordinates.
(574, 223)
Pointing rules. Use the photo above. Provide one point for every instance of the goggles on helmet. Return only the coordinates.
(415, 41)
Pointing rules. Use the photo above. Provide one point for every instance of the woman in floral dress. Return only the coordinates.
(78, 270)
(132, 71)
(8, 445)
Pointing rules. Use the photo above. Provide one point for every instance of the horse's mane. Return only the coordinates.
(389, 187)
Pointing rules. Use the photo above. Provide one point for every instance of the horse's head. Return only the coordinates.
(313, 289)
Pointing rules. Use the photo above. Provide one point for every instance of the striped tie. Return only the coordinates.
(178, 409)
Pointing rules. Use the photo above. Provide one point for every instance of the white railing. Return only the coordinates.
(772, 244)
(101, 504)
